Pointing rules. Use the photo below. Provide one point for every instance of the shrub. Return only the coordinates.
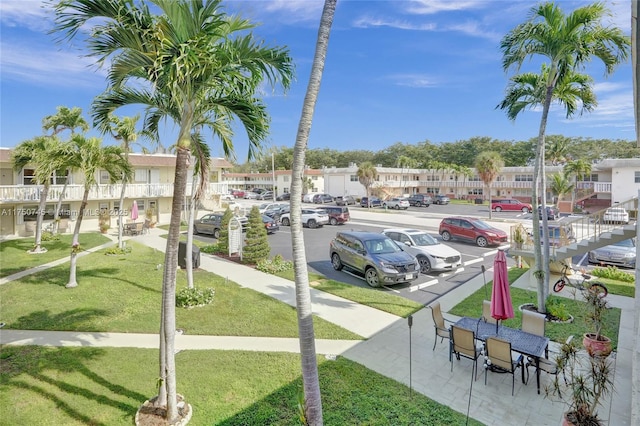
(275, 265)
(256, 245)
(223, 240)
(114, 251)
(49, 236)
(212, 249)
(613, 273)
(192, 297)
(558, 309)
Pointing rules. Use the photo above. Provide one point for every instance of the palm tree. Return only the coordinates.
(89, 156)
(560, 185)
(489, 164)
(312, 399)
(202, 69)
(557, 149)
(64, 119)
(579, 169)
(367, 176)
(567, 43)
(122, 129)
(408, 163)
(46, 154)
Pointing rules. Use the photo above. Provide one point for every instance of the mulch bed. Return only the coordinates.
(531, 307)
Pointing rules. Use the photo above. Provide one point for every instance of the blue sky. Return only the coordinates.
(396, 71)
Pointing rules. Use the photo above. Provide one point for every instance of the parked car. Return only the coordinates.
(374, 255)
(511, 205)
(270, 224)
(276, 213)
(431, 254)
(345, 200)
(250, 195)
(265, 207)
(622, 254)
(552, 212)
(284, 197)
(311, 218)
(370, 202)
(337, 214)
(441, 200)
(471, 229)
(308, 198)
(211, 224)
(322, 199)
(396, 203)
(265, 195)
(237, 193)
(616, 215)
(560, 234)
(420, 200)
(258, 190)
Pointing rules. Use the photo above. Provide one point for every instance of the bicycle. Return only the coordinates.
(584, 285)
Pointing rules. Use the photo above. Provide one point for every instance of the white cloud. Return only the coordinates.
(48, 67)
(420, 81)
(429, 7)
(30, 14)
(367, 22)
(296, 9)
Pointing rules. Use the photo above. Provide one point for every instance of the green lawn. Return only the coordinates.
(472, 307)
(15, 257)
(105, 386)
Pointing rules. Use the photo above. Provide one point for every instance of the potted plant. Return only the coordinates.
(595, 342)
(149, 215)
(519, 236)
(104, 222)
(582, 381)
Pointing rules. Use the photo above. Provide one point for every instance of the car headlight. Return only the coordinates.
(492, 234)
(630, 255)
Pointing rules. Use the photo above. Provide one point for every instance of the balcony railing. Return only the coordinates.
(31, 193)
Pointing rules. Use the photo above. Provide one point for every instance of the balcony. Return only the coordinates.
(31, 193)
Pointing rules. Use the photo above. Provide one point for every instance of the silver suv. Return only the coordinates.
(373, 255)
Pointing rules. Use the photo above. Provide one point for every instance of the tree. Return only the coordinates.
(89, 156)
(560, 185)
(47, 155)
(256, 244)
(566, 43)
(557, 149)
(194, 65)
(310, 381)
(367, 176)
(122, 129)
(489, 164)
(405, 162)
(579, 169)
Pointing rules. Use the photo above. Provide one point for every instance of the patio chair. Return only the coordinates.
(146, 226)
(548, 365)
(486, 312)
(533, 322)
(138, 229)
(463, 343)
(440, 327)
(500, 358)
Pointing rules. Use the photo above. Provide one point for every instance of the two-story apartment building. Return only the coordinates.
(151, 188)
(280, 180)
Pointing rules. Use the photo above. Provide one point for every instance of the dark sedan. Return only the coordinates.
(270, 225)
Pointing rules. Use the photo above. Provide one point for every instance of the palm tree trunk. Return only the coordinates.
(168, 316)
(39, 218)
(489, 190)
(75, 245)
(120, 210)
(192, 214)
(56, 213)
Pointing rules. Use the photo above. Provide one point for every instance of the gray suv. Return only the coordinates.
(420, 200)
(373, 255)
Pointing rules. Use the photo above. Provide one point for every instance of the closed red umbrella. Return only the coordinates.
(134, 210)
(501, 306)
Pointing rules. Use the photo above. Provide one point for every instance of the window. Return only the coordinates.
(30, 212)
(637, 177)
(353, 178)
(524, 178)
(285, 178)
(28, 177)
(314, 177)
(475, 191)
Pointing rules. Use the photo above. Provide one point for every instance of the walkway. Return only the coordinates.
(386, 349)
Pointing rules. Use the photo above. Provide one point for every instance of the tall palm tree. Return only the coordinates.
(311, 383)
(122, 129)
(557, 149)
(488, 165)
(45, 153)
(367, 176)
(202, 69)
(89, 156)
(560, 185)
(566, 42)
(405, 162)
(64, 119)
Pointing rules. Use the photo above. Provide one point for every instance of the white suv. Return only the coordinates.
(396, 203)
(311, 218)
(431, 254)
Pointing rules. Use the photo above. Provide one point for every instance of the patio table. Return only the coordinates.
(527, 344)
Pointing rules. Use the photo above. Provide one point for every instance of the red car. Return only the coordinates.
(471, 229)
(511, 205)
(237, 193)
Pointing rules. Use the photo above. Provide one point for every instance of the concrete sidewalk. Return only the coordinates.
(390, 348)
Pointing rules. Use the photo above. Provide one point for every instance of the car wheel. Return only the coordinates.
(195, 230)
(397, 207)
(498, 209)
(525, 210)
(425, 265)
(336, 262)
(446, 236)
(482, 242)
(418, 204)
(333, 221)
(216, 233)
(285, 221)
(312, 224)
(371, 275)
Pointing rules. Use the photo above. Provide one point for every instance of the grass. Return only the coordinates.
(620, 288)
(123, 294)
(15, 256)
(374, 298)
(472, 307)
(105, 386)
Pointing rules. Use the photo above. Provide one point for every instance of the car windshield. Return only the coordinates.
(481, 224)
(625, 243)
(424, 239)
(381, 246)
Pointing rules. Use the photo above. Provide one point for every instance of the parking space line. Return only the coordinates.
(471, 262)
(423, 285)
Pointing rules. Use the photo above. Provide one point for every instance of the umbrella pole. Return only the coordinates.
(485, 282)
